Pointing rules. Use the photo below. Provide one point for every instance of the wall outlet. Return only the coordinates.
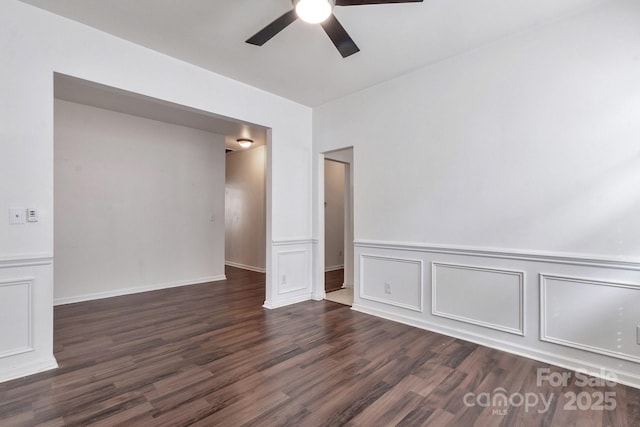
(387, 288)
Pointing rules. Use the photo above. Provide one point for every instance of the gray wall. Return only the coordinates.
(245, 209)
(139, 204)
(334, 214)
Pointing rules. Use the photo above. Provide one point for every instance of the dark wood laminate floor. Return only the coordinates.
(210, 355)
(333, 280)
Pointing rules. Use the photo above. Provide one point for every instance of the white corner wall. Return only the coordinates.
(334, 214)
(245, 209)
(138, 204)
(33, 45)
(496, 192)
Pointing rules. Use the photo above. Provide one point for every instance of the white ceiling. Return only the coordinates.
(96, 95)
(301, 63)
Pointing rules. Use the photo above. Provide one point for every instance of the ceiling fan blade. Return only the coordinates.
(267, 33)
(338, 35)
(363, 2)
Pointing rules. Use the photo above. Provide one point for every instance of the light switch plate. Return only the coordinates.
(32, 215)
(17, 215)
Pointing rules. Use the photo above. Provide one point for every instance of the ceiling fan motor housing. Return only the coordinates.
(331, 2)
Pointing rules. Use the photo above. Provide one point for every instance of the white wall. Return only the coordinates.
(33, 45)
(334, 214)
(138, 204)
(520, 156)
(554, 111)
(244, 207)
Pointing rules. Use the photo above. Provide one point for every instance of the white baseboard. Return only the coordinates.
(627, 378)
(319, 296)
(285, 302)
(135, 290)
(28, 369)
(333, 268)
(245, 267)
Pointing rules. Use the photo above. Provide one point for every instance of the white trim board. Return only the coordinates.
(26, 261)
(25, 370)
(621, 263)
(301, 241)
(286, 302)
(333, 268)
(245, 267)
(136, 290)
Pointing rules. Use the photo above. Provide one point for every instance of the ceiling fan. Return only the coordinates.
(319, 12)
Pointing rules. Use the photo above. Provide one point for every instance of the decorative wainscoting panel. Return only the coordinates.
(489, 297)
(597, 316)
(293, 270)
(394, 281)
(290, 278)
(16, 307)
(583, 315)
(26, 315)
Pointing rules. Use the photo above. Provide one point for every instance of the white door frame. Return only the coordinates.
(348, 252)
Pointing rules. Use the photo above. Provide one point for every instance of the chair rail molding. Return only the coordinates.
(621, 263)
(26, 260)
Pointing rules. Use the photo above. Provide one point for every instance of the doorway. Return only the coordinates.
(338, 226)
(139, 194)
(245, 208)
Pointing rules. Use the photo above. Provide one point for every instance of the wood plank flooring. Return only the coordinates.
(333, 280)
(210, 355)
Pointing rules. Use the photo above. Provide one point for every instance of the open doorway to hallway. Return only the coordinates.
(139, 192)
(245, 207)
(338, 226)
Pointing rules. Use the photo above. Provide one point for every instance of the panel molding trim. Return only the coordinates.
(520, 275)
(304, 285)
(504, 253)
(419, 307)
(28, 282)
(544, 321)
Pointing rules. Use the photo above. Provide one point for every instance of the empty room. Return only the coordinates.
(188, 187)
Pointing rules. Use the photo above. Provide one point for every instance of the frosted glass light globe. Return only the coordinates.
(314, 11)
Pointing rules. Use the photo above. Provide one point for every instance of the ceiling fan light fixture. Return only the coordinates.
(314, 11)
(244, 142)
